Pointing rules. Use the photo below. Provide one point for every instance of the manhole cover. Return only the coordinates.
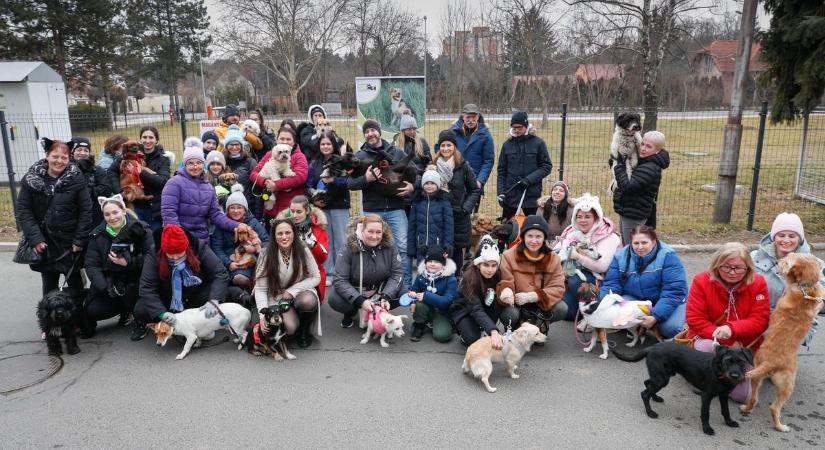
(21, 371)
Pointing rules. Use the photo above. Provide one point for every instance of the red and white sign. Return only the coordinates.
(209, 125)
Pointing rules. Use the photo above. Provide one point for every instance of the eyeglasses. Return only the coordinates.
(732, 269)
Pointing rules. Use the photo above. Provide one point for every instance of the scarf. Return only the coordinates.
(445, 170)
(430, 277)
(181, 277)
(112, 231)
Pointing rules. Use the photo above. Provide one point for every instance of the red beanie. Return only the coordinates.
(173, 240)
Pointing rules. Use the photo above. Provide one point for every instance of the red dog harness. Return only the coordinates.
(375, 317)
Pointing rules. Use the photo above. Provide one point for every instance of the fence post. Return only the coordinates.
(763, 113)
(182, 117)
(563, 136)
(7, 154)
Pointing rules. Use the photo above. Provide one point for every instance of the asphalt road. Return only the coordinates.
(340, 394)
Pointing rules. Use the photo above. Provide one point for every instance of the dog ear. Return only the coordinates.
(748, 355)
(152, 326)
(263, 311)
(401, 318)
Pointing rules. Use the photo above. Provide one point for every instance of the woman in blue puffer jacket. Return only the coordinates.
(648, 269)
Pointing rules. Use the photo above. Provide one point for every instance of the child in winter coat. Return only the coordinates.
(475, 309)
(431, 218)
(216, 167)
(433, 290)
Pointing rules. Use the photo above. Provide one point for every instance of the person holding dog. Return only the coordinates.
(556, 208)
(649, 269)
(287, 272)
(532, 280)
(522, 165)
(238, 160)
(475, 309)
(232, 116)
(285, 188)
(586, 248)
(367, 271)
(311, 225)
(475, 143)
(432, 293)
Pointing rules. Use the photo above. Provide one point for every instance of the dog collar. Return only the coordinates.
(508, 339)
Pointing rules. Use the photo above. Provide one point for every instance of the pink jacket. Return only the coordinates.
(287, 188)
(604, 239)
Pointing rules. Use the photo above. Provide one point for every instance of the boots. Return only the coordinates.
(304, 334)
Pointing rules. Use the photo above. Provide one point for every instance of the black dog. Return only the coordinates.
(714, 374)
(272, 342)
(393, 173)
(59, 314)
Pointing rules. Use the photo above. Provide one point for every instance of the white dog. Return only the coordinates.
(626, 142)
(398, 106)
(251, 126)
(481, 355)
(382, 323)
(614, 313)
(194, 326)
(276, 168)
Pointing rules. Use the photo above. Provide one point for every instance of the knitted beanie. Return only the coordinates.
(435, 253)
(173, 239)
(231, 110)
(215, 157)
(210, 135)
(488, 250)
(193, 149)
(519, 118)
(370, 123)
(431, 176)
(788, 222)
(237, 197)
(448, 136)
(535, 222)
(407, 122)
(234, 134)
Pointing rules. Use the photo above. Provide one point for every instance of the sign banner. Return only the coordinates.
(387, 99)
(209, 125)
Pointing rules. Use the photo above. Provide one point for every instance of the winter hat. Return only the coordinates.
(446, 135)
(563, 186)
(519, 118)
(215, 157)
(370, 123)
(76, 142)
(407, 122)
(234, 134)
(788, 222)
(314, 109)
(173, 240)
(431, 176)
(488, 250)
(207, 135)
(231, 110)
(193, 149)
(586, 203)
(237, 197)
(435, 253)
(535, 222)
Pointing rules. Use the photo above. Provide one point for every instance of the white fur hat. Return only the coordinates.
(487, 250)
(587, 202)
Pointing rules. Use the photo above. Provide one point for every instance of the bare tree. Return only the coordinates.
(288, 37)
(456, 23)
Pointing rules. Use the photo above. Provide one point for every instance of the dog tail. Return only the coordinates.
(636, 357)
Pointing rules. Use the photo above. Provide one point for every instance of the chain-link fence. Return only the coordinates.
(791, 177)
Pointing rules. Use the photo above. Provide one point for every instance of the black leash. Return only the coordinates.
(223, 316)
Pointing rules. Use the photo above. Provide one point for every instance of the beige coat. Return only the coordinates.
(544, 277)
(262, 299)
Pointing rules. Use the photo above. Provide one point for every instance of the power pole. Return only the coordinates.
(729, 159)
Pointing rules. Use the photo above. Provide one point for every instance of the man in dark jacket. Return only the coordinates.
(635, 197)
(522, 164)
(475, 143)
(307, 133)
(97, 180)
(153, 180)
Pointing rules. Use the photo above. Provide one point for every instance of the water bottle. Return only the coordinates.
(491, 295)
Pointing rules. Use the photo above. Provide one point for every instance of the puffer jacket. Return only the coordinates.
(98, 183)
(431, 223)
(603, 239)
(381, 268)
(374, 201)
(153, 184)
(59, 215)
(337, 192)
(474, 306)
(635, 197)
(306, 138)
(222, 242)
(242, 167)
(764, 259)
(747, 315)
(658, 276)
(314, 235)
(464, 195)
(98, 265)
(287, 187)
(523, 157)
(476, 147)
(440, 292)
(191, 202)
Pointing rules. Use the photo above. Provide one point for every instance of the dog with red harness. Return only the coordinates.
(270, 340)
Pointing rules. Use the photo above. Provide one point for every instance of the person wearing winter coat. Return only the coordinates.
(557, 209)
(232, 116)
(586, 248)
(98, 181)
(522, 165)
(475, 143)
(285, 188)
(367, 271)
(183, 273)
(729, 303)
(411, 142)
(635, 197)
(111, 148)
(311, 226)
(154, 176)
(238, 160)
(431, 219)
(266, 135)
(215, 168)
(433, 291)
(189, 200)
(532, 280)
(648, 269)
(475, 309)
(54, 212)
(114, 261)
(307, 134)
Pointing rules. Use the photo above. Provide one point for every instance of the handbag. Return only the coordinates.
(683, 337)
(25, 253)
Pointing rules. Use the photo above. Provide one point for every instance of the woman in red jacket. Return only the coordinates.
(729, 303)
(311, 224)
(286, 188)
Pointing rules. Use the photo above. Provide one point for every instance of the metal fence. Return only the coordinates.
(791, 171)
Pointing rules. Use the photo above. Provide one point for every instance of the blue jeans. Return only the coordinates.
(145, 214)
(674, 323)
(337, 232)
(570, 298)
(397, 220)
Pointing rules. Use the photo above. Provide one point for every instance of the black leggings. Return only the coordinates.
(101, 307)
(51, 280)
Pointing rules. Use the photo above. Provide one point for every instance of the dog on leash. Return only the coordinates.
(789, 324)
(715, 374)
(278, 166)
(245, 235)
(381, 323)
(627, 141)
(273, 341)
(481, 355)
(132, 164)
(194, 326)
(59, 315)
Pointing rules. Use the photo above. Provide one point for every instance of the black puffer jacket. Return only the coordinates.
(306, 135)
(474, 307)
(98, 265)
(635, 197)
(421, 162)
(61, 222)
(376, 201)
(242, 167)
(153, 184)
(268, 138)
(464, 196)
(522, 157)
(98, 183)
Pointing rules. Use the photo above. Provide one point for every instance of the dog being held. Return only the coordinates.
(383, 324)
(789, 324)
(59, 314)
(627, 141)
(277, 167)
(272, 341)
(194, 326)
(251, 126)
(481, 224)
(132, 164)
(715, 374)
(481, 355)
(245, 237)
(393, 173)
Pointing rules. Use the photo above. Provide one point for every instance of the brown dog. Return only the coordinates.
(245, 235)
(130, 168)
(789, 324)
(481, 225)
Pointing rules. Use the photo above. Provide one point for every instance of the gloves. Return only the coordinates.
(523, 182)
(309, 239)
(209, 310)
(506, 296)
(168, 318)
(501, 199)
(526, 297)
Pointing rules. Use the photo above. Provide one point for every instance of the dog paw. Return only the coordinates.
(744, 410)
(732, 423)
(385, 345)
(603, 356)
(708, 430)
(491, 389)
(514, 376)
(180, 356)
(73, 350)
(782, 428)
(653, 414)
(290, 356)
(631, 344)
(656, 398)
(588, 349)
(365, 340)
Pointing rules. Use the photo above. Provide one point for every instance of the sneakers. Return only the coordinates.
(346, 322)
(125, 319)
(417, 332)
(139, 331)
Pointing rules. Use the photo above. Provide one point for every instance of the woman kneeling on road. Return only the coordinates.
(287, 272)
(368, 270)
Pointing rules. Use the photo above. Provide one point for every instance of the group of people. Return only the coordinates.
(178, 246)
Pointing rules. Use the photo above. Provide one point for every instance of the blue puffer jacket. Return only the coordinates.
(445, 286)
(223, 242)
(430, 223)
(477, 148)
(662, 279)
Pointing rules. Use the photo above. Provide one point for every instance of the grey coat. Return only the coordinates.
(382, 266)
(764, 258)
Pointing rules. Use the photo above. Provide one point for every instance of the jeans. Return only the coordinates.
(626, 224)
(145, 214)
(397, 221)
(337, 232)
(674, 323)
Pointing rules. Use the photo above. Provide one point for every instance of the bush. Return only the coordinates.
(89, 118)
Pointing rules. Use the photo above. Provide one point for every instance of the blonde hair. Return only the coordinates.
(657, 137)
(401, 143)
(728, 251)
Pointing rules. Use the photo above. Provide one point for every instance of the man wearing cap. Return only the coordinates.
(522, 164)
(98, 182)
(232, 116)
(475, 143)
(389, 207)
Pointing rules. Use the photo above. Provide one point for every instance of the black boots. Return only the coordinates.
(304, 333)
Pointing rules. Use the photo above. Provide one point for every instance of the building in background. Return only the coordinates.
(718, 60)
(478, 44)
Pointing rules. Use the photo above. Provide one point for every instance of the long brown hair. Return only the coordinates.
(272, 264)
(472, 282)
